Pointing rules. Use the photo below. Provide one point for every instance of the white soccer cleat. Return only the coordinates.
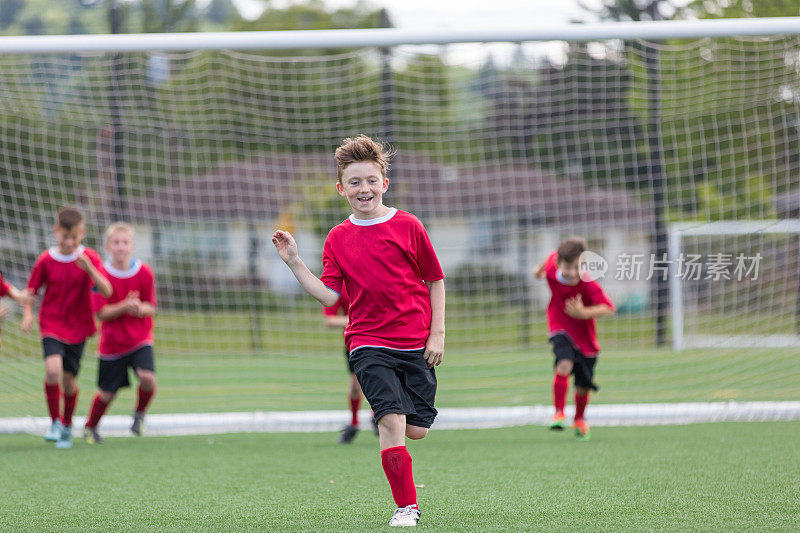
(405, 516)
(54, 433)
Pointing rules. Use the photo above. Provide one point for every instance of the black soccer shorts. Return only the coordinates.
(70, 353)
(112, 374)
(396, 381)
(582, 366)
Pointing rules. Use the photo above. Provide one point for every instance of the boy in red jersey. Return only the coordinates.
(126, 331)
(571, 313)
(336, 317)
(21, 297)
(395, 336)
(68, 272)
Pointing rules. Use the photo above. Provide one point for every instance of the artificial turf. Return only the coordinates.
(705, 477)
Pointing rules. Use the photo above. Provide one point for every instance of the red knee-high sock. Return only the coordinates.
(355, 403)
(560, 386)
(397, 466)
(144, 398)
(97, 410)
(53, 395)
(580, 405)
(69, 407)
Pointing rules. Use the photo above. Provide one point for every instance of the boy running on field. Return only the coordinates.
(67, 271)
(126, 331)
(571, 314)
(384, 259)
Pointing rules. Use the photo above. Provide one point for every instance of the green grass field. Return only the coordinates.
(208, 362)
(707, 477)
(467, 379)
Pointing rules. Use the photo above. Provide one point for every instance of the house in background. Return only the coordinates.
(490, 218)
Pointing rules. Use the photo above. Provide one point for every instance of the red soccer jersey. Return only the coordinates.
(582, 333)
(343, 304)
(126, 333)
(66, 311)
(383, 264)
(4, 287)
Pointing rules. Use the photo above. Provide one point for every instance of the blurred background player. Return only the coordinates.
(68, 272)
(21, 297)
(384, 258)
(336, 317)
(126, 331)
(574, 305)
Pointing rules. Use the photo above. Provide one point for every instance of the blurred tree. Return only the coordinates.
(743, 8)
(638, 10)
(8, 12)
(220, 11)
(573, 118)
(160, 16)
(44, 17)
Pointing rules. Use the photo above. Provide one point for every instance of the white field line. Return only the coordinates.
(449, 418)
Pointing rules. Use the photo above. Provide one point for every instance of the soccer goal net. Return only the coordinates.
(746, 294)
(503, 150)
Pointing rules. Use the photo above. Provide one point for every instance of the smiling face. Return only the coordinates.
(570, 270)
(363, 184)
(69, 239)
(119, 244)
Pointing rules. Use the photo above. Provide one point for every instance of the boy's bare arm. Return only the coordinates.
(147, 309)
(539, 271)
(596, 311)
(287, 249)
(336, 321)
(434, 347)
(27, 312)
(575, 308)
(100, 281)
(130, 305)
(23, 298)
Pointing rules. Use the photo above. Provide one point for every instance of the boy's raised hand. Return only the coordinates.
(285, 244)
(539, 270)
(83, 262)
(132, 304)
(574, 307)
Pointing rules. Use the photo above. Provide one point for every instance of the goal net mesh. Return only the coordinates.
(501, 157)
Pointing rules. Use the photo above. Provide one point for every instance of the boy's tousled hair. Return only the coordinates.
(119, 226)
(362, 148)
(571, 249)
(69, 218)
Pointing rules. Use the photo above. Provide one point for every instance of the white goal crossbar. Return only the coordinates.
(283, 40)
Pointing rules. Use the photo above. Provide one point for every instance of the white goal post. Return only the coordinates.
(678, 233)
(208, 142)
(287, 40)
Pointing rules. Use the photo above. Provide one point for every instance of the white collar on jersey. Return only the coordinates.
(136, 265)
(63, 258)
(373, 221)
(561, 279)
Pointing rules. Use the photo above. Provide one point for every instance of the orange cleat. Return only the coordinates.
(581, 429)
(557, 423)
